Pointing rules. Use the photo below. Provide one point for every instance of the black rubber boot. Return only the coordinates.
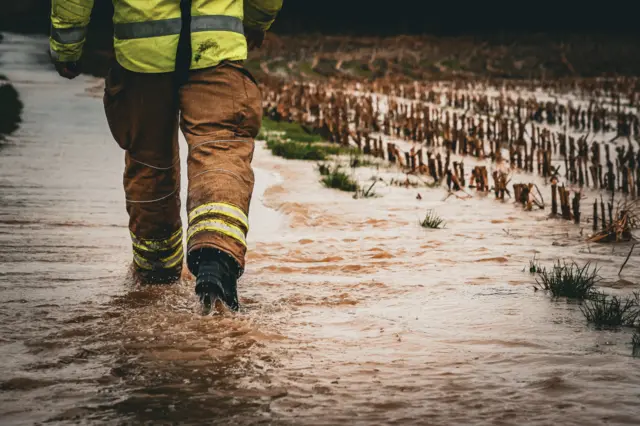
(217, 277)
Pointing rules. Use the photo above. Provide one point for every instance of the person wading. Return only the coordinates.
(180, 62)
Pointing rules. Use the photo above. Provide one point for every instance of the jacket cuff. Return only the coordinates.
(63, 55)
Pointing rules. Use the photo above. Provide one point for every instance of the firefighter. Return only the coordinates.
(180, 64)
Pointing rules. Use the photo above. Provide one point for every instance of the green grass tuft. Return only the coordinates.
(368, 192)
(324, 169)
(534, 266)
(337, 179)
(302, 151)
(432, 221)
(571, 281)
(604, 311)
(291, 131)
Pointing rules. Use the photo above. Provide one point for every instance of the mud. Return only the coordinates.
(352, 313)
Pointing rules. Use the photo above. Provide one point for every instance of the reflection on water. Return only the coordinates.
(351, 312)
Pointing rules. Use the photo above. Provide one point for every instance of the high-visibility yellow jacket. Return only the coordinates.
(146, 32)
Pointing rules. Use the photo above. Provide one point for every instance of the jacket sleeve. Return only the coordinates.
(260, 14)
(69, 21)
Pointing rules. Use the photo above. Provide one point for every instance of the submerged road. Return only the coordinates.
(352, 313)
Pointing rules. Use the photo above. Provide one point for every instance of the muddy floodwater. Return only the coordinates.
(352, 313)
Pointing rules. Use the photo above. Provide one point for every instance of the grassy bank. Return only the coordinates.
(301, 151)
(294, 142)
(288, 131)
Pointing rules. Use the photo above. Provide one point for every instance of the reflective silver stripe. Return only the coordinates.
(132, 30)
(165, 27)
(68, 35)
(157, 245)
(162, 263)
(174, 259)
(220, 208)
(142, 262)
(220, 227)
(216, 23)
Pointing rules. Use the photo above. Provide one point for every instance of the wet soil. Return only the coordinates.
(352, 313)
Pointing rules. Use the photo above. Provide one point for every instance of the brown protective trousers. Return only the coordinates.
(219, 111)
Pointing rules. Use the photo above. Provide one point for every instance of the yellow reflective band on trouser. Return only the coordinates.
(220, 227)
(157, 245)
(224, 209)
(168, 262)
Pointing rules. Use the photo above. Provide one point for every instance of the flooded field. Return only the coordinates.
(352, 313)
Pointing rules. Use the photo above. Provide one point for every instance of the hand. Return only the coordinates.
(69, 70)
(255, 38)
